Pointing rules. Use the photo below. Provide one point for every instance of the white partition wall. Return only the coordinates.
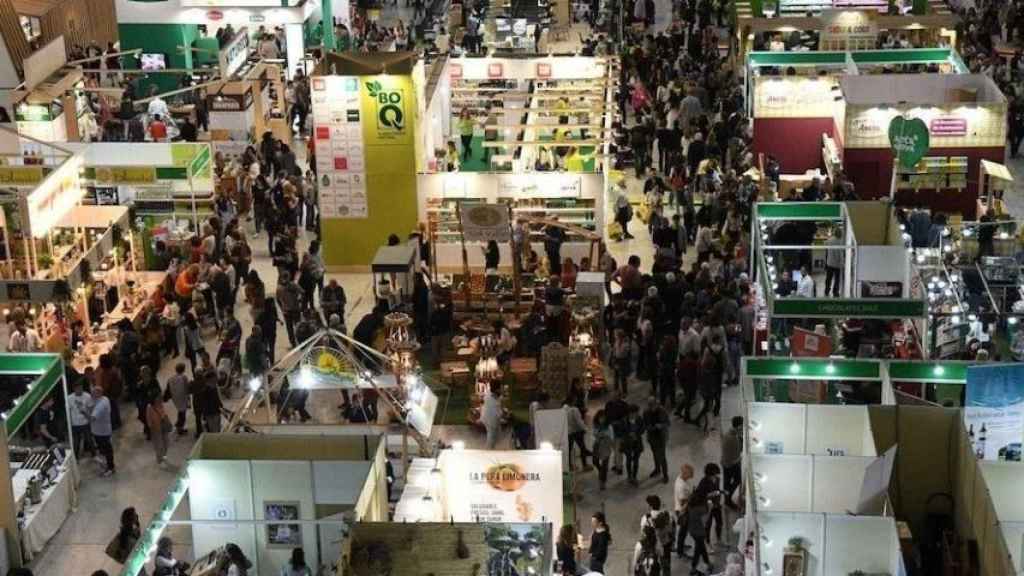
(288, 483)
(1004, 480)
(822, 430)
(864, 543)
(778, 528)
(783, 483)
(806, 483)
(221, 489)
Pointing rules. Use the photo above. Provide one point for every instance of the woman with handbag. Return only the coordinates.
(159, 426)
(124, 541)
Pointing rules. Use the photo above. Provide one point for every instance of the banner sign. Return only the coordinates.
(845, 308)
(994, 412)
(21, 175)
(949, 126)
(908, 138)
(485, 222)
(114, 175)
(503, 486)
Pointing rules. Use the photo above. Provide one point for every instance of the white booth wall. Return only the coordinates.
(810, 429)
(805, 483)
(836, 544)
(882, 264)
(1003, 480)
(243, 487)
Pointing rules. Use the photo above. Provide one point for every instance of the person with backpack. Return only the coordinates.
(664, 530)
(647, 560)
(604, 439)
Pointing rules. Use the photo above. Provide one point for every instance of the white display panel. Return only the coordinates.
(221, 490)
(1003, 480)
(340, 153)
(839, 431)
(778, 428)
(778, 528)
(289, 483)
(837, 483)
(783, 482)
(862, 543)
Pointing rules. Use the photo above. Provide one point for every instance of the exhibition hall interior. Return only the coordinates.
(511, 287)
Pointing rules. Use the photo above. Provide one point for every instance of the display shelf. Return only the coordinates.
(934, 172)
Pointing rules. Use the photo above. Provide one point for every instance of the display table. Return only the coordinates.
(145, 283)
(90, 357)
(43, 520)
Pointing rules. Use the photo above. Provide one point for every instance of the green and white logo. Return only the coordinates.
(390, 108)
(909, 140)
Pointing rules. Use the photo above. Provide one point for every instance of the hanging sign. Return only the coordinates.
(126, 175)
(20, 175)
(908, 138)
(848, 27)
(485, 222)
(948, 126)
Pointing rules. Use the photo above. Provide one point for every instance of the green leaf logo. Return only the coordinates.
(373, 88)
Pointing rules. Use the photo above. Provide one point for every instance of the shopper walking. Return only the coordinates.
(600, 542)
(664, 529)
(633, 443)
(101, 428)
(491, 415)
(289, 298)
(604, 440)
(732, 456)
(178, 387)
(656, 426)
(128, 534)
(712, 368)
(159, 427)
(682, 491)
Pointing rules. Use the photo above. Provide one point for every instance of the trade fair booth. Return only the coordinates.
(825, 544)
(164, 28)
(268, 495)
(486, 486)
(938, 495)
(42, 486)
(956, 121)
(539, 127)
(795, 93)
(808, 25)
(874, 312)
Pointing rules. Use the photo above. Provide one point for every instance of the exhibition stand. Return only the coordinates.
(794, 93)
(42, 487)
(172, 28)
(269, 495)
(924, 477)
(963, 117)
(489, 487)
(877, 312)
(808, 25)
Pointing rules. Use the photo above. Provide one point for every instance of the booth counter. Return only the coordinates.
(270, 494)
(42, 486)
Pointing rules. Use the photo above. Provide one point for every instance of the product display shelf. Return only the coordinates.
(444, 225)
(934, 172)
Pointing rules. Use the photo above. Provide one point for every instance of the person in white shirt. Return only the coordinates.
(682, 490)
(23, 339)
(490, 415)
(805, 289)
(157, 106)
(99, 422)
(79, 408)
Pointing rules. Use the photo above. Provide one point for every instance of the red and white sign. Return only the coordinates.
(455, 71)
(214, 15)
(319, 85)
(340, 163)
(948, 126)
(496, 70)
(543, 70)
(323, 132)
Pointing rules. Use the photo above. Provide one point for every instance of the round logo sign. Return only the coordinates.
(215, 15)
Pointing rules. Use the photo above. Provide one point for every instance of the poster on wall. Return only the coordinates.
(338, 146)
(284, 534)
(503, 486)
(994, 412)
